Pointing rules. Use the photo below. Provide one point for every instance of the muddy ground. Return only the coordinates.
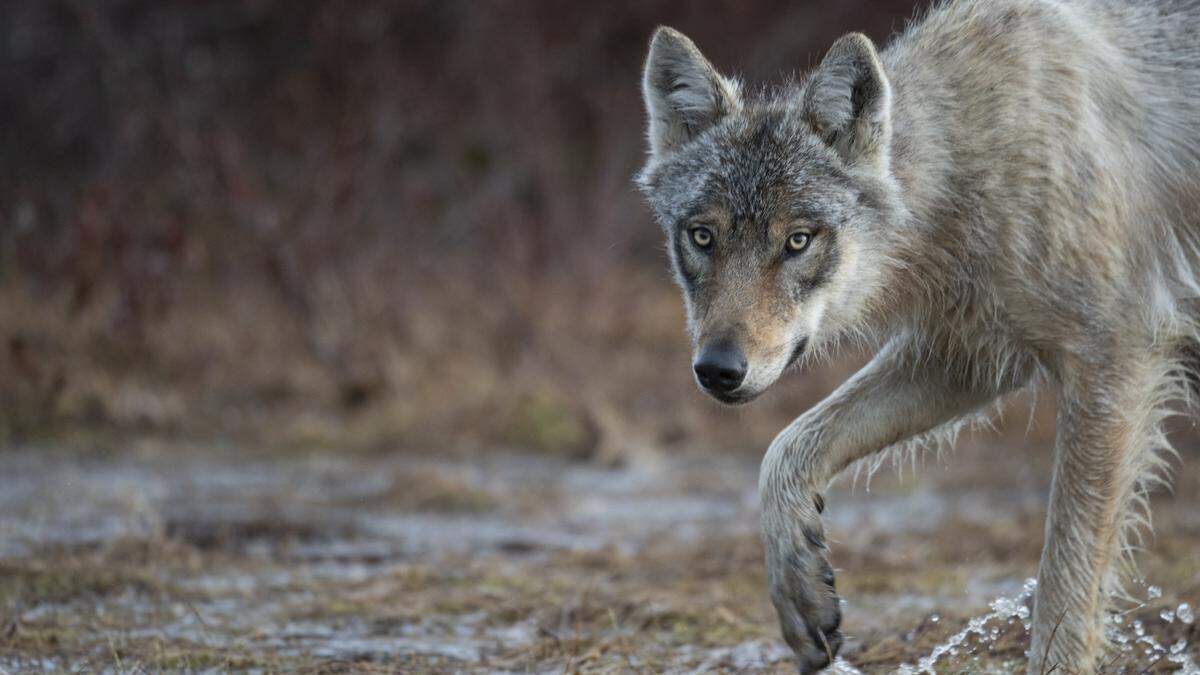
(168, 556)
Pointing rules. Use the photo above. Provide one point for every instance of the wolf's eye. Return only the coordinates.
(702, 237)
(798, 241)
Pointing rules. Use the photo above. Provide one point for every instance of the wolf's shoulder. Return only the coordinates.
(1009, 19)
(970, 35)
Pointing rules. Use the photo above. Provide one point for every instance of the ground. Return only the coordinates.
(161, 555)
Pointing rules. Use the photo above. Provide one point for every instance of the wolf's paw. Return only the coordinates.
(801, 583)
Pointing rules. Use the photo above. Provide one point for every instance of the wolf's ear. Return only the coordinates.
(684, 94)
(848, 101)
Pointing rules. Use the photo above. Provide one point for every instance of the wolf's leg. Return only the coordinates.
(904, 391)
(1108, 426)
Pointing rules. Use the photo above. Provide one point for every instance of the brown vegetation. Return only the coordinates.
(371, 224)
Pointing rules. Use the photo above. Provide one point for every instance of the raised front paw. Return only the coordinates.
(801, 584)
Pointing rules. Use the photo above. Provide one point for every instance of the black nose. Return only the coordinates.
(720, 369)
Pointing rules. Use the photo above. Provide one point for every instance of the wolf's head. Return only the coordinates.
(773, 208)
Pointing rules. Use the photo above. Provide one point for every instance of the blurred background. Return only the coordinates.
(334, 337)
(373, 223)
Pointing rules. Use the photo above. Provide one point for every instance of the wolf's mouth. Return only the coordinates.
(731, 399)
(796, 352)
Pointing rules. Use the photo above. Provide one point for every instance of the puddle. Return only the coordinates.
(320, 504)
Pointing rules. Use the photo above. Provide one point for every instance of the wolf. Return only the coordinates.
(1005, 198)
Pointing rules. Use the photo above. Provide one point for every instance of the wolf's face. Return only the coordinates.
(770, 208)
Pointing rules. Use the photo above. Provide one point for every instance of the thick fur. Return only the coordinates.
(1007, 196)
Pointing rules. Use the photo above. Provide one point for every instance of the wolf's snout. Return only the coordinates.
(720, 369)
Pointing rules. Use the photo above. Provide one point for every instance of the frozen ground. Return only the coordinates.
(170, 556)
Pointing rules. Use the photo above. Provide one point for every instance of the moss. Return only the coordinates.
(685, 627)
(195, 658)
(435, 491)
(548, 423)
(34, 584)
(923, 580)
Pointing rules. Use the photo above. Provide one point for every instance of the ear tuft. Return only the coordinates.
(848, 102)
(684, 94)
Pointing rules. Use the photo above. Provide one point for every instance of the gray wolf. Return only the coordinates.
(1006, 197)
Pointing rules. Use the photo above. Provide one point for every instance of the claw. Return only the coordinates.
(828, 577)
(814, 538)
(825, 643)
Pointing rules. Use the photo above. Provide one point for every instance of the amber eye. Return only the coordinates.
(798, 241)
(702, 237)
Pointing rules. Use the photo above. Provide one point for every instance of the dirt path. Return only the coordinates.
(170, 557)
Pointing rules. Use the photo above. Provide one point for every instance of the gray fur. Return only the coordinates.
(1005, 197)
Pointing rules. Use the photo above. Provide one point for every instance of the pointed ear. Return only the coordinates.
(684, 94)
(848, 101)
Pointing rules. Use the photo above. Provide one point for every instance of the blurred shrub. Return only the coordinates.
(371, 223)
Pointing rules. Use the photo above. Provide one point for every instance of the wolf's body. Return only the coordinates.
(1006, 196)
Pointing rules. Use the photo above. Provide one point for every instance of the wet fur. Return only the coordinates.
(1007, 197)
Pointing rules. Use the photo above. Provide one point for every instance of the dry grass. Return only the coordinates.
(597, 612)
(280, 579)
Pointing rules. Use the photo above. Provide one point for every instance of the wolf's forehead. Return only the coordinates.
(765, 166)
(754, 167)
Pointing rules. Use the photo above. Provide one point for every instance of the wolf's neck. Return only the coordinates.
(923, 164)
(922, 154)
